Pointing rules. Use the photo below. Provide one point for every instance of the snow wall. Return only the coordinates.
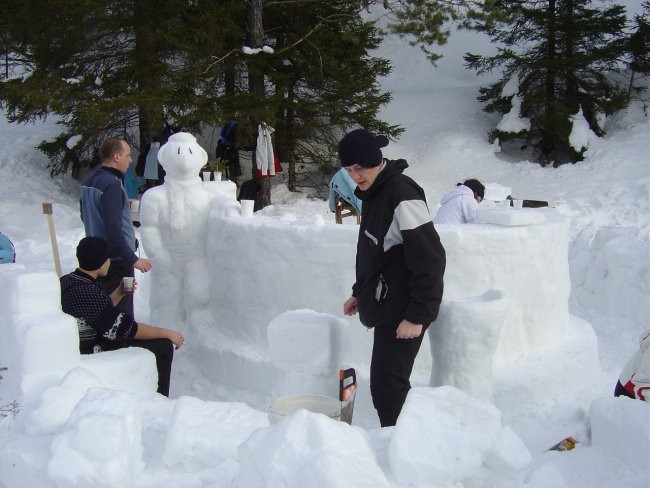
(505, 304)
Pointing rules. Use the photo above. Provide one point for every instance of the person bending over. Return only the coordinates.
(459, 205)
(104, 327)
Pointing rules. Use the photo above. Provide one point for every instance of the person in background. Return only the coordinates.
(634, 380)
(105, 213)
(102, 326)
(400, 264)
(459, 205)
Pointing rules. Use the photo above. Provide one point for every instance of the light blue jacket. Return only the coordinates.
(341, 184)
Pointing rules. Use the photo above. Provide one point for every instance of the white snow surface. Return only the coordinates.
(89, 428)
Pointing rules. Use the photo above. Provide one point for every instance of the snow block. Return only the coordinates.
(79, 460)
(25, 293)
(203, 434)
(339, 456)
(620, 426)
(510, 217)
(463, 341)
(38, 350)
(320, 340)
(38, 342)
(442, 436)
(132, 369)
(496, 192)
(56, 403)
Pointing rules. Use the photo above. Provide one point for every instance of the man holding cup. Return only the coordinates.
(102, 326)
(105, 213)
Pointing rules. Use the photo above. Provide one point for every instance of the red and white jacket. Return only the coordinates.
(635, 376)
(266, 156)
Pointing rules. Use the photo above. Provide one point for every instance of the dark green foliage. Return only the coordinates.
(427, 23)
(638, 51)
(323, 80)
(560, 52)
(103, 67)
(127, 68)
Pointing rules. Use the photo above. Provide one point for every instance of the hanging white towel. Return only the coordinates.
(264, 157)
(151, 162)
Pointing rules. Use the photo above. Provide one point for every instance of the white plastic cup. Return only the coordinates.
(127, 284)
(217, 176)
(205, 175)
(517, 204)
(134, 205)
(247, 207)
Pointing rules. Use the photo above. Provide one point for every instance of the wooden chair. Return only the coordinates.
(343, 209)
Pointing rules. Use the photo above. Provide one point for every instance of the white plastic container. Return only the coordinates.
(286, 405)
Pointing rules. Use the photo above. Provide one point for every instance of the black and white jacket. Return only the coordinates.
(400, 260)
(98, 320)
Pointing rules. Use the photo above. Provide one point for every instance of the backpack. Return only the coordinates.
(7, 250)
(227, 150)
(231, 156)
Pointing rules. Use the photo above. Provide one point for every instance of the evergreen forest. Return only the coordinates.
(308, 68)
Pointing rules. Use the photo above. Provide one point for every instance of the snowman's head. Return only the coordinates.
(182, 157)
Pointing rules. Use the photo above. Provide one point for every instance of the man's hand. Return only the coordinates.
(142, 265)
(177, 338)
(408, 330)
(350, 306)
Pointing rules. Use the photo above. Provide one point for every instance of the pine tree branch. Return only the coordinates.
(219, 60)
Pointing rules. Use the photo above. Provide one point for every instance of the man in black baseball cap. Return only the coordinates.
(399, 267)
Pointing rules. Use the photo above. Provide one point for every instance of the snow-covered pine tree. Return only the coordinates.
(554, 57)
(638, 47)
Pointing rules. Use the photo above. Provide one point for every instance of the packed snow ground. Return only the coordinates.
(606, 197)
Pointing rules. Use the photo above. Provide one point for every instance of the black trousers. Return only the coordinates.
(163, 349)
(390, 370)
(118, 270)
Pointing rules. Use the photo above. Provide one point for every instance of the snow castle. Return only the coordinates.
(259, 300)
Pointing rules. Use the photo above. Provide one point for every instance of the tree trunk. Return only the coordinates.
(549, 139)
(255, 39)
(290, 139)
(147, 75)
(572, 88)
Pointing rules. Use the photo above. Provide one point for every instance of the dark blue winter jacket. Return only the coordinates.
(105, 213)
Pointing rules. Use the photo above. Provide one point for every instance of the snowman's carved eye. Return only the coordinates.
(179, 150)
(190, 149)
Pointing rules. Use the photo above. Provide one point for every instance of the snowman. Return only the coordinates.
(174, 219)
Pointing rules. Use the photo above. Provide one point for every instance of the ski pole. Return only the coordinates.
(47, 210)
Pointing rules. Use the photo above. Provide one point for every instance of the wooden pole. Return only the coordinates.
(47, 210)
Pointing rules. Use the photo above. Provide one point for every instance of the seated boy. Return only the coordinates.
(103, 327)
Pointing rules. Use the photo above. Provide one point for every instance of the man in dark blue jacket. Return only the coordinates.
(105, 213)
(399, 267)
